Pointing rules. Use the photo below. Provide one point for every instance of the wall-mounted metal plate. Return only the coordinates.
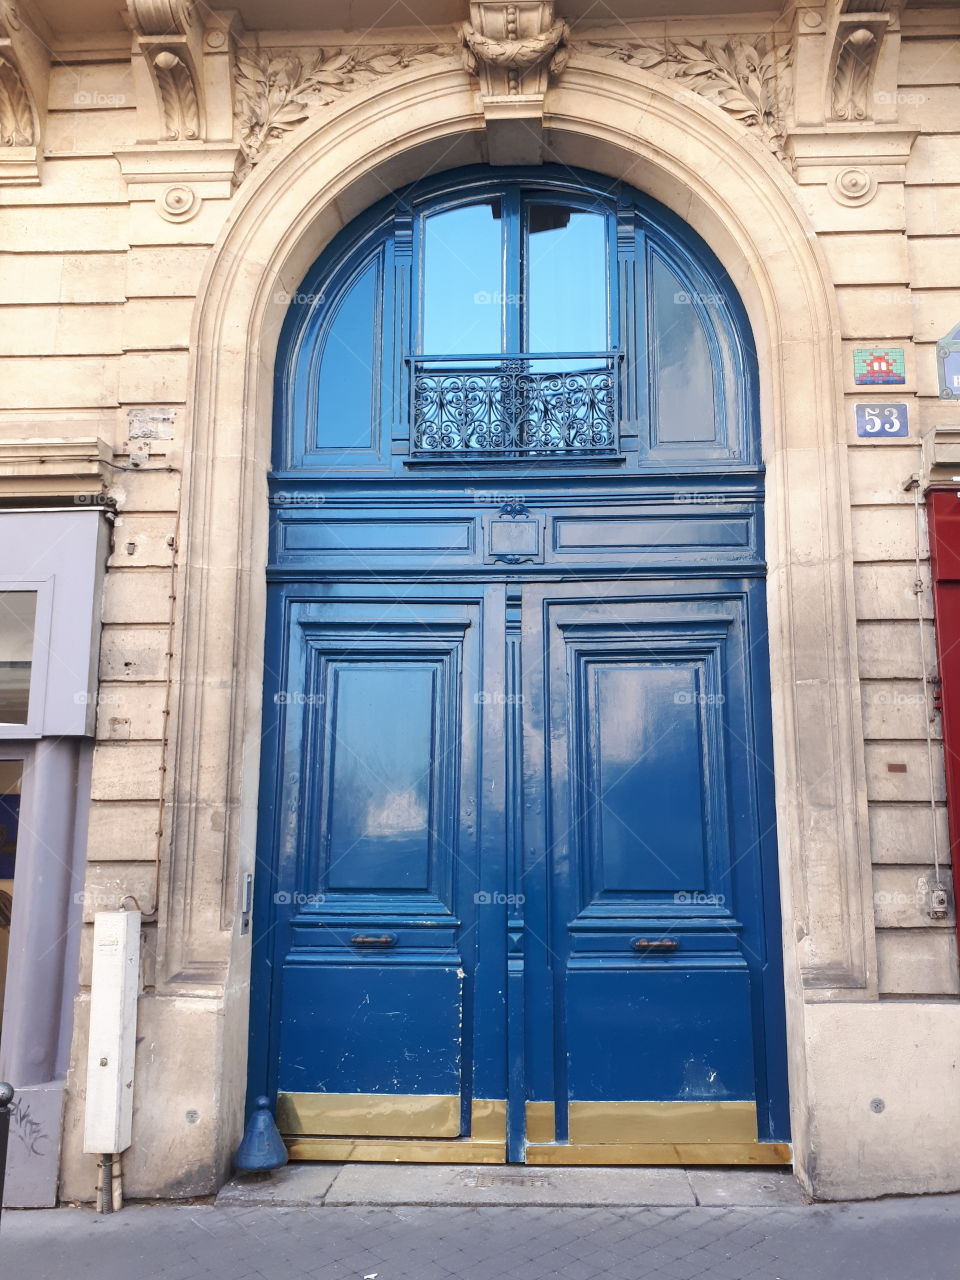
(513, 536)
(882, 420)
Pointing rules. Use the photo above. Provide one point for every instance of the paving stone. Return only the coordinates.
(294, 1184)
(745, 1187)
(884, 1240)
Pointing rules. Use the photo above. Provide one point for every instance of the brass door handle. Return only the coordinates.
(373, 940)
(655, 944)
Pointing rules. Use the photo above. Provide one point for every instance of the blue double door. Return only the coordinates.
(518, 895)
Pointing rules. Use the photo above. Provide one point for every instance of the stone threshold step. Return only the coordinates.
(458, 1185)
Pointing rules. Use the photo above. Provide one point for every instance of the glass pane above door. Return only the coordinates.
(18, 614)
(683, 367)
(567, 275)
(463, 294)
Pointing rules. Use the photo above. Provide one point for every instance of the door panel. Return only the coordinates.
(381, 1010)
(640, 781)
(380, 810)
(639, 725)
(349, 1028)
(674, 1031)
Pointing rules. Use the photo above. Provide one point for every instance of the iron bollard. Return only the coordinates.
(6, 1097)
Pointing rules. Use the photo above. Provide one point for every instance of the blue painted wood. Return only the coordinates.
(515, 765)
(675, 1031)
(349, 1025)
(642, 721)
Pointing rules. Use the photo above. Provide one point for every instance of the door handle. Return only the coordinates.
(655, 944)
(373, 940)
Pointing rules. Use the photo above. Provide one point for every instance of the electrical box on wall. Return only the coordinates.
(115, 985)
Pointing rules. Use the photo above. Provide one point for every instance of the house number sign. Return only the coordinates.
(878, 421)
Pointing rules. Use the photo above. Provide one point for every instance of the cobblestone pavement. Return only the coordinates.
(886, 1240)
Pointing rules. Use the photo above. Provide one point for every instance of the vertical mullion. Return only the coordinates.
(632, 317)
(401, 311)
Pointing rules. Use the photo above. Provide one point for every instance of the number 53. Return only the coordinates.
(889, 419)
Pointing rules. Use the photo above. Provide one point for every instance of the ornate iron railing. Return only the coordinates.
(515, 406)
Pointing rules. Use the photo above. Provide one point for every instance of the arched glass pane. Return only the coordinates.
(463, 292)
(680, 362)
(346, 384)
(567, 279)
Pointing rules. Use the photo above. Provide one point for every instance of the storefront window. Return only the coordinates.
(11, 773)
(18, 614)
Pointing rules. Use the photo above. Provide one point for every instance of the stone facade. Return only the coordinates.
(161, 198)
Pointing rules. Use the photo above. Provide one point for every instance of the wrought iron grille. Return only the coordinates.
(515, 406)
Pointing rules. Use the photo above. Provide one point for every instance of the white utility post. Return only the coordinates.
(115, 985)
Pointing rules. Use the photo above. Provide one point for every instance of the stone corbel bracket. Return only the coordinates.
(183, 71)
(513, 50)
(861, 79)
(24, 80)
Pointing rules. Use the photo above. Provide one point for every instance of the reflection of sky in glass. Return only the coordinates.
(345, 389)
(463, 281)
(567, 274)
(381, 751)
(684, 369)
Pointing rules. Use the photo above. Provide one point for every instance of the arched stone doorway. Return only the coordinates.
(516, 871)
(618, 121)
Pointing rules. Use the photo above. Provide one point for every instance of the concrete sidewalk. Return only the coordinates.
(691, 1231)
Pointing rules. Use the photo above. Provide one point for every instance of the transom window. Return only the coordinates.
(515, 353)
(511, 318)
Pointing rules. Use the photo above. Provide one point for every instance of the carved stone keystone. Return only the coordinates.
(513, 50)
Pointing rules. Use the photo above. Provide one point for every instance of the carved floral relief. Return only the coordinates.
(279, 89)
(746, 77)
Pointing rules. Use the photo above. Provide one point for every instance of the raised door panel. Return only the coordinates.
(377, 946)
(385, 734)
(640, 777)
(639, 722)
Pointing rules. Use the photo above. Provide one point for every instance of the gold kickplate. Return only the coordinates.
(362, 1115)
(393, 1129)
(541, 1122)
(486, 1145)
(628, 1123)
(662, 1153)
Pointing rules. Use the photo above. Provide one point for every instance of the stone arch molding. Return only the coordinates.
(618, 120)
